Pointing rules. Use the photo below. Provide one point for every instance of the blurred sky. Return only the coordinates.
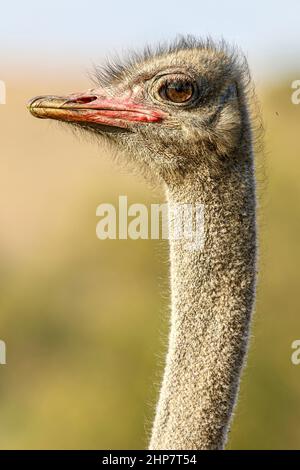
(73, 34)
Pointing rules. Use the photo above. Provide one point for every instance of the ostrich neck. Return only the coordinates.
(212, 298)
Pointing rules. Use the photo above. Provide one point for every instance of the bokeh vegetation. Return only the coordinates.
(85, 321)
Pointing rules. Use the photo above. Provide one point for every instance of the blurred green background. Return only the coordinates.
(85, 321)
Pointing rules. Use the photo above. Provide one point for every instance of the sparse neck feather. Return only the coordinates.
(213, 290)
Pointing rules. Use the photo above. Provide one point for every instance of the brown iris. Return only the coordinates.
(178, 91)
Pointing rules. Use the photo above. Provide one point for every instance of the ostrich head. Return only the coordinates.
(171, 110)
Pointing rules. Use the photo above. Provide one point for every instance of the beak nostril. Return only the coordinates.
(83, 100)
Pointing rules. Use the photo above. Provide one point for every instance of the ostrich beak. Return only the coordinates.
(94, 107)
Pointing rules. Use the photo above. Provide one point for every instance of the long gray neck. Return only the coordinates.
(213, 289)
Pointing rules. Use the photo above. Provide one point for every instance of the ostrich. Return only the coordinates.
(181, 114)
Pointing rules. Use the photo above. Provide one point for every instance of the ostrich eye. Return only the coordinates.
(178, 91)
